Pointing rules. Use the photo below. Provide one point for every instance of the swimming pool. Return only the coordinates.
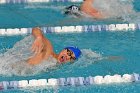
(41, 14)
(102, 44)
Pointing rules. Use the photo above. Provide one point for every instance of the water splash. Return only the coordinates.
(88, 57)
(119, 9)
(13, 62)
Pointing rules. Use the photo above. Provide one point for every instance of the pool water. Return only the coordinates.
(97, 48)
(105, 44)
(44, 14)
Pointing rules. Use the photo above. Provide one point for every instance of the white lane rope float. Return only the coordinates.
(35, 1)
(70, 81)
(73, 29)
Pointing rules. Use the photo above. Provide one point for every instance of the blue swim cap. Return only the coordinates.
(75, 50)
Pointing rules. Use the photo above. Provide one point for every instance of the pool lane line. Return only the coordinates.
(34, 1)
(71, 81)
(73, 29)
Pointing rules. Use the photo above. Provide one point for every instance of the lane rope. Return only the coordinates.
(73, 29)
(71, 81)
(35, 1)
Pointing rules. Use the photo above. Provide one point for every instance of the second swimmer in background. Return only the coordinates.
(101, 9)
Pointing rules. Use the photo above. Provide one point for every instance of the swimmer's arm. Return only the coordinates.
(41, 46)
(40, 41)
(37, 45)
(89, 1)
(38, 58)
(87, 7)
(96, 14)
(43, 55)
(36, 32)
(35, 59)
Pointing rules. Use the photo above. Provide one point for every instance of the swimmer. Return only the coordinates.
(102, 9)
(87, 7)
(43, 49)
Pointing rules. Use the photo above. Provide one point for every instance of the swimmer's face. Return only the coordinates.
(66, 55)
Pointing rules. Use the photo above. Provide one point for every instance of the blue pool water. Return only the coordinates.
(95, 46)
(42, 14)
(101, 44)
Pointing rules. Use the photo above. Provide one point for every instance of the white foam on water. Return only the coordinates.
(119, 9)
(88, 57)
(13, 62)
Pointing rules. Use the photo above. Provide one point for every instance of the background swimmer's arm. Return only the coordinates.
(96, 14)
(87, 7)
(89, 1)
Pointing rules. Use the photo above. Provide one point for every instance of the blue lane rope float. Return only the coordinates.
(73, 29)
(71, 81)
(34, 1)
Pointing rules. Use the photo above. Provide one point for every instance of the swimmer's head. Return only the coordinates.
(69, 54)
(72, 9)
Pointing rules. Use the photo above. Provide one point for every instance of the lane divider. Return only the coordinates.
(34, 1)
(73, 29)
(70, 81)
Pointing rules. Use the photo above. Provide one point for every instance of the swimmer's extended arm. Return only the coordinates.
(89, 1)
(96, 14)
(87, 7)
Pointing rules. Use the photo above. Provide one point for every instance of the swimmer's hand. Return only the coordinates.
(38, 45)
